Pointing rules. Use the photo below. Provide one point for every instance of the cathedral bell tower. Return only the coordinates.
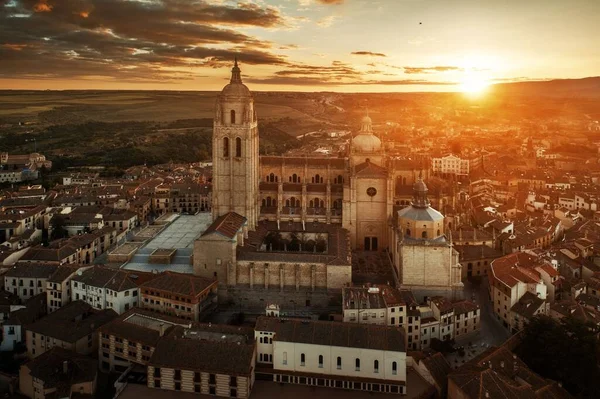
(235, 152)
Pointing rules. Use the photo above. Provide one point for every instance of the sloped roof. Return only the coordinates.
(227, 225)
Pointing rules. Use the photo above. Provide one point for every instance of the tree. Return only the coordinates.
(58, 227)
(565, 351)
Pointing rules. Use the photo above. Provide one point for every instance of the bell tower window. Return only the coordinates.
(232, 117)
(225, 146)
(238, 147)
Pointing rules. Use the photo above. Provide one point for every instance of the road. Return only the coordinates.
(492, 331)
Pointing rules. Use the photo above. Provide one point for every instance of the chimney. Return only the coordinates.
(161, 330)
(65, 367)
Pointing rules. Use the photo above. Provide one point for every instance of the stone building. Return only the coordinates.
(424, 258)
(287, 226)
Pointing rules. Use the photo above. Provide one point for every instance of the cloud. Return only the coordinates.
(413, 70)
(337, 74)
(127, 39)
(369, 53)
(305, 3)
(326, 22)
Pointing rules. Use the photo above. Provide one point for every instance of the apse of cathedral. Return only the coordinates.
(289, 225)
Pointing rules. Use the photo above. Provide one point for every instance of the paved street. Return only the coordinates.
(492, 331)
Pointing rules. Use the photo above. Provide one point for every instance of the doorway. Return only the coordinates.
(370, 243)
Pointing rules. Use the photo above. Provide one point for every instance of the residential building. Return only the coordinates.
(71, 327)
(58, 286)
(28, 279)
(498, 373)
(467, 320)
(510, 277)
(337, 355)
(208, 359)
(104, 287)
(528, 306)
(58, 373)
(450, 165)
(179, 295)
(132, 338)
(13, 328)
(475, 259)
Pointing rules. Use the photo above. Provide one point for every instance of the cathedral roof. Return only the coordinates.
(425, 214)
(366, 143)
(369, 169)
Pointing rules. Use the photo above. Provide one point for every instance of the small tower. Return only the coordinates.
(235, 152)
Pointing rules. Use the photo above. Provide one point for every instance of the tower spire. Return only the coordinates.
(236, 73)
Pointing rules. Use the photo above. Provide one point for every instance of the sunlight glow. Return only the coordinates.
(473, 83)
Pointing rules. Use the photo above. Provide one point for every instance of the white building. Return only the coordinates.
(106, 288)
(332, 354)
(450, 165)
(27, 280)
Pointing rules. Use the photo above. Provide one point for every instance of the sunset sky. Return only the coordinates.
(306, 45)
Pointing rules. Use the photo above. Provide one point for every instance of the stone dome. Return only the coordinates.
(366, 143)
(365, 140)
(236, 89)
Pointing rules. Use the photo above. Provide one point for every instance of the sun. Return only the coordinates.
(473, 84)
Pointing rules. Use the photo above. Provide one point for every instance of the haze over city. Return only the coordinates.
(299, 45)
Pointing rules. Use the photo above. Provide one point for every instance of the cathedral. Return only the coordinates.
(286, 227)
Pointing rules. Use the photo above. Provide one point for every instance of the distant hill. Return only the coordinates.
(581, 88)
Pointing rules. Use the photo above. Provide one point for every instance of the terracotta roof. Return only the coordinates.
(439, 368)
(463, 307)
(527, 305)
(72, 322)
(49, 368)
(127, 326)
(498, 373)
(178, 283)
(208, 353)
(31, 270)
(227, 225)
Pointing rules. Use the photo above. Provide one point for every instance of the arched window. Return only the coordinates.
(320, 361)
(238, 147)
(260, 340)
(339, 363)
(424, 234)
(376, 366)
(232, 117)
(272, 177)
(357, 364)
(264, 203)
(408, 232)
(311, 204)
(302, 359)
(225, 146)
(394, 368)
(269, 201)
(438, 232)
